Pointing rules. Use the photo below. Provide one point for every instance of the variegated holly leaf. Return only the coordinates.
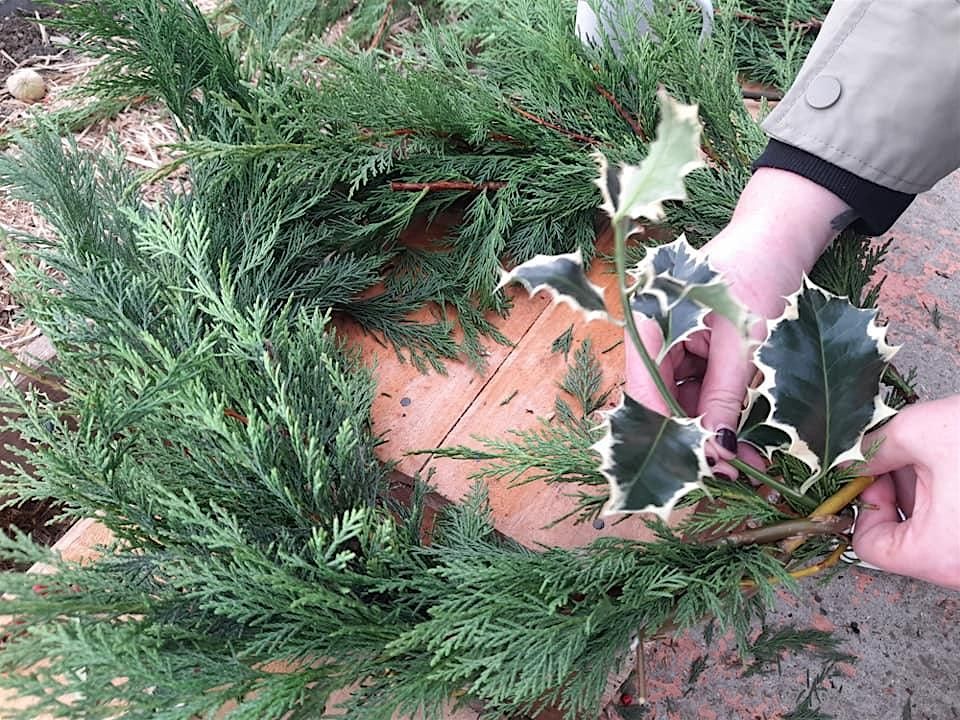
(754, 428)
(822, 365)
(683, 319)
(631, 191)
(677, 287)
(650, 460)
(564, 277)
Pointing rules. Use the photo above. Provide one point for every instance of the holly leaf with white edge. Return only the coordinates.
(635, 191)
(754, 428)
(685, 287)
(822, 364)
(564, 278)
(676, 324)
(651, 461)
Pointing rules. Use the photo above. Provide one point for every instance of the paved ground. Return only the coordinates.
(905, 634)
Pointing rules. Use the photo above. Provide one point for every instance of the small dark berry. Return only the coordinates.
(598, 524)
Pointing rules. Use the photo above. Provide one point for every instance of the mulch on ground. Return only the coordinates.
(22, 43)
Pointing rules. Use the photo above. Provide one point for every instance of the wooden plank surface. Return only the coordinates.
(530, 378)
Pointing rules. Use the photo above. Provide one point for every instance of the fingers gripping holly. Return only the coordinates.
(821, 362)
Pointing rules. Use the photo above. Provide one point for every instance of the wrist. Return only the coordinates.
(790, 219)
(781, 225)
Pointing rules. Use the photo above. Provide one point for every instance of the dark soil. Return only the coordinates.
(32, 518)
(21, 40)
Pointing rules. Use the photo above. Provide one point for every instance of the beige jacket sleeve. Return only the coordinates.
(879, 94)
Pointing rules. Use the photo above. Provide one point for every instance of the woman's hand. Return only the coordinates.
(917, 470)
(781, 225)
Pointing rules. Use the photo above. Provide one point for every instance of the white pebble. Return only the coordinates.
(26, 85)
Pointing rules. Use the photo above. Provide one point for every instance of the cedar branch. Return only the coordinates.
(641, 670)
(547, 124)
(622, 111)
(445, 185)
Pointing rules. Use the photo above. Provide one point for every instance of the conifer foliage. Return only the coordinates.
(215, 423)
(259, 559)
(323, 159)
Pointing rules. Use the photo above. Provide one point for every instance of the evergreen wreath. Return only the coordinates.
(216, 425)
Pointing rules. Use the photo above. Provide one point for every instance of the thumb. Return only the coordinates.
(725, 382)
(894, 449)
(879, 537)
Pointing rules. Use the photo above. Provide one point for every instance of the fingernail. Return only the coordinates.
(727, 439)
(711, 462)
(721, 477)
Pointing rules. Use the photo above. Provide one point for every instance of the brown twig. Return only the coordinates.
(641, 670)
(622, 111)
(547, 124)
(811, 24)
(774, 95)
(828, 562)
(709, 151)
(825, 564)
(382, 27)
(803, 528)
(234, 415)
(440, 185)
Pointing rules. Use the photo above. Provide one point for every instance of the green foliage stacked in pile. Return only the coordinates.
(227, 446)
(492, 115)
(215, 425)
(774, 37)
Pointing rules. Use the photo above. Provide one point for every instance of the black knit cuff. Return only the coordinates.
(877, 207)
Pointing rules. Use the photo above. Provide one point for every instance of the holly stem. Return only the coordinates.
(620, 259)
(761, 477)
(620, 226)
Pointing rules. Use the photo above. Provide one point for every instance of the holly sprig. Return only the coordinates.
(821, 362)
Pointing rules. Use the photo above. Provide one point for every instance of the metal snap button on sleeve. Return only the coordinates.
(823, 92)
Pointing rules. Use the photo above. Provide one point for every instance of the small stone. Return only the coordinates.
(26, 85)
(598, 524)
(405, 402)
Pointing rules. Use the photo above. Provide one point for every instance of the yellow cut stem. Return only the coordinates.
(828, 562)
(831, 506)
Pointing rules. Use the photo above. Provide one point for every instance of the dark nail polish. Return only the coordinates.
(711, 462)
(727, 439)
